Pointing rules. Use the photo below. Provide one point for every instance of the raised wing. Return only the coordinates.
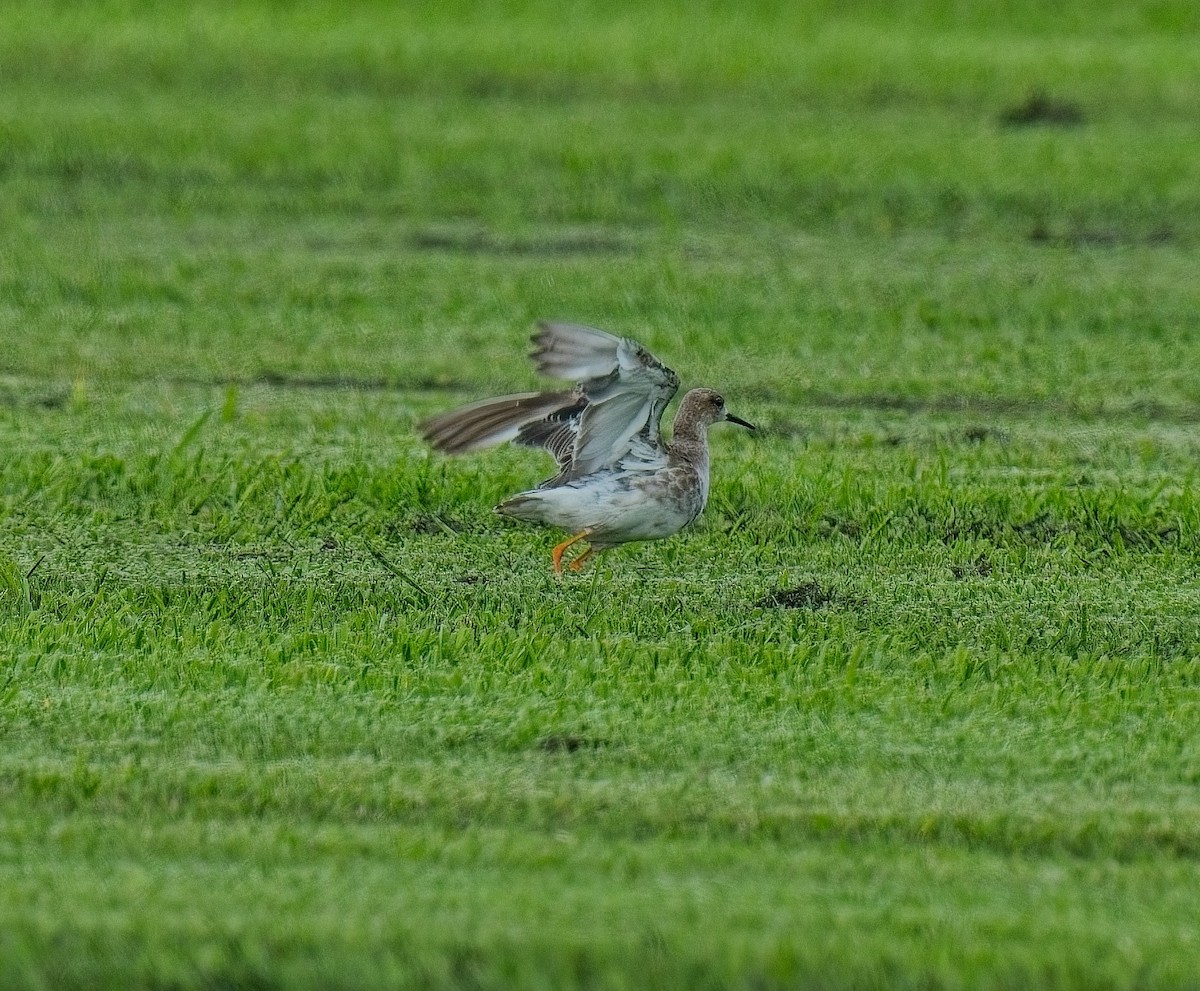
(612, 414)
(574, 352)
(497, 421)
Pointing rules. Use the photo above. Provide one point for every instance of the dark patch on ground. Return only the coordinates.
(806, 595)
(978, 434)
(1096, 236)
(1041, 109)
(1146, 537)
(1153, 410)
(981, 567)
(1076, 237)
(480, 242)
(495, 86)
(274, 378)
(543, 88)
(17, 399)
(565, 743)
(831, 524)
(1040, 529)
(1159, 234)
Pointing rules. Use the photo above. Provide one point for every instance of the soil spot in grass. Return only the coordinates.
(1041, 109)
(981, 567)
(832, 524)
(978, 434)
(565, 743)
(1160, 234)
(806, 595)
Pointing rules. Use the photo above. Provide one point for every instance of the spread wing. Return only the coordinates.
(612, 415)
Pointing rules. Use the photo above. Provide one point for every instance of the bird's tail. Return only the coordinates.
(523, 506)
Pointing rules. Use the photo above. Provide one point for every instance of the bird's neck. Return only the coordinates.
(689, 445)
(688, 453)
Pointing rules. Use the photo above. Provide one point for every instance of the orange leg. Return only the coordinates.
(557, 554)
(577, 564)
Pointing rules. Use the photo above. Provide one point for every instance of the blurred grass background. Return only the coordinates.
(283, 705)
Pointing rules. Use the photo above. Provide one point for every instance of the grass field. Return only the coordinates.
(284, 705)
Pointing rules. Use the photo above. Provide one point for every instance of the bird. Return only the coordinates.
(618, 480)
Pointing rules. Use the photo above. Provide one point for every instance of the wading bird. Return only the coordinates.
(618, 480)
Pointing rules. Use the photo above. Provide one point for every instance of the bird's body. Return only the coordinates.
(618, 480)
(616, 506)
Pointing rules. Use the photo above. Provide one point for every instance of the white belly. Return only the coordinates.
(616, 509)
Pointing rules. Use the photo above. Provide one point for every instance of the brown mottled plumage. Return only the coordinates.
(618, 480)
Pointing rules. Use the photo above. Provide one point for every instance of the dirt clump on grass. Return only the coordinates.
(1039, 108)
(806, 595)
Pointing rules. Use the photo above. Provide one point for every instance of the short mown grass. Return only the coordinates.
(284, 704)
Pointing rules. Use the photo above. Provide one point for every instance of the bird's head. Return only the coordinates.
(706, 407)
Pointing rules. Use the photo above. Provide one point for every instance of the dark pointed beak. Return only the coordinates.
(739, 421)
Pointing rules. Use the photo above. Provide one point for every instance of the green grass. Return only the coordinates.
(282, 702)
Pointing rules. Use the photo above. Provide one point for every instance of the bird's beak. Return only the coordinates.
(739, 421)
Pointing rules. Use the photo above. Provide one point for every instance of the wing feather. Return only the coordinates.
(494, 421)
(607, 428)
(573, 352)
(611, 417)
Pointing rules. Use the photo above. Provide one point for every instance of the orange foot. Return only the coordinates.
(556, 555)
(577, 564)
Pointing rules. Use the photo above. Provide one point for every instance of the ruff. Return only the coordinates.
(618, 481)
